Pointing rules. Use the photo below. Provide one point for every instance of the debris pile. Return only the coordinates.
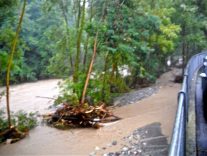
(11, 135)
(81, 116)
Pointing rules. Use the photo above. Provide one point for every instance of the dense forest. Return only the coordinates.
(100, 45)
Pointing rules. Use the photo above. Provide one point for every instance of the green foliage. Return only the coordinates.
(139, 34)
(98, 90)
(191, 17)
(3, 122)
(92, 27)
(24, 121)
(67, 95)
(36, 45)
(59, 63)
(21, 120)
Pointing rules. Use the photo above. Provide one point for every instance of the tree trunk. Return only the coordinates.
(92, 59)
(183, 33)
(183, 57)
(76, 70)
(79, 14)
(68, 34)
(104, 78)
(87, 39)
(187, 52)
(114, 69)
(10, 63)
(89, 70)
(86, 52)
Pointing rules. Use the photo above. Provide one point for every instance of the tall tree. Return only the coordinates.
(88, 36)
(93, 56)
(13, 48)
(64, 9)
(79, 38)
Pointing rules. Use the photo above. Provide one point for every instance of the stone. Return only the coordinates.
(114, 143)
(97, 148)
(140, 151)
(129, 152)
(144, 143)
(109, 145)
(125, 149)
(92, 154)
(8, 141)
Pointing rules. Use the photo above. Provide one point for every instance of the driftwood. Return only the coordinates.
(43, 97)
(12, 134)
(71, 117)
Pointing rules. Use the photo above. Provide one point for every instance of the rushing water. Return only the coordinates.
(32, 97)
(44, 140)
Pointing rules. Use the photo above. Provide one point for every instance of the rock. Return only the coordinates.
(129, 153)
(123, 153)
(114, 143)
(134, 96)
(144, 143)
(9, 141)
(125, 149)
(139, 151)
(130, 137)
(109, 145)
(92, 154)
(97, 148)
(111, 154)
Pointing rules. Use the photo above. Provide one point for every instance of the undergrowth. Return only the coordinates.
(21, 120)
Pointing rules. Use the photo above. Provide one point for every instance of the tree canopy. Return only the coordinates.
(131, 40)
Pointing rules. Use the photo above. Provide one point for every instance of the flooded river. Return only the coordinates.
(44, 140)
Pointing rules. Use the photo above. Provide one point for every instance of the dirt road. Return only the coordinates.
(43, 140)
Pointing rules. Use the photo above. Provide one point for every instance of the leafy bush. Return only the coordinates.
(25, 121)
(97, 91)
(67, 98)
(70, 92)
(21, 120)
(3, 122)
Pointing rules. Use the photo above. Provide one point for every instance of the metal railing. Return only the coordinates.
(178, 141)
(177, 147)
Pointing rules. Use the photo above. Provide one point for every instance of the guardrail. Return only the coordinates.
(178, 141)
(177, 147)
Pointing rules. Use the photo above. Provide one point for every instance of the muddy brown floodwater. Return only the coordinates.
(44, 140)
